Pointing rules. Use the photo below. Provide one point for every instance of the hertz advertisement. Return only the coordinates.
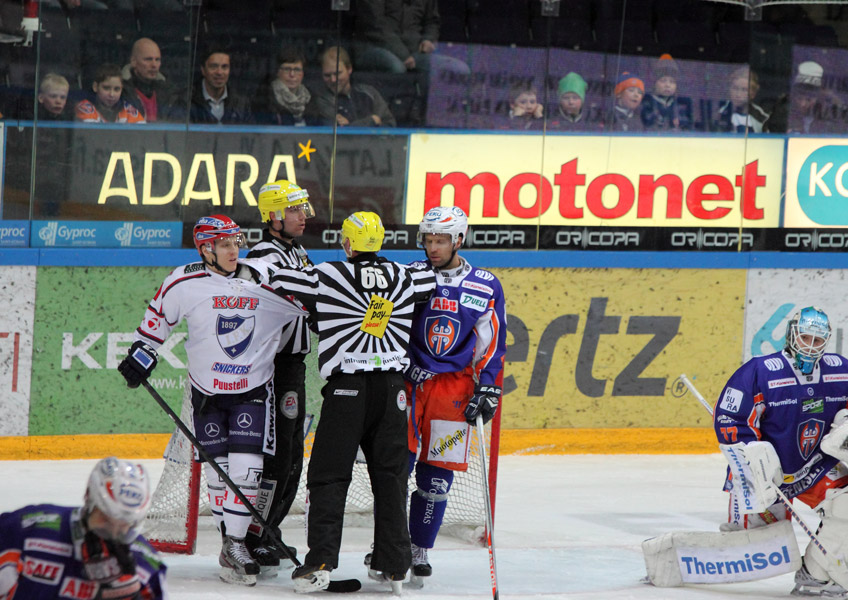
(595, 180)
(604, 348)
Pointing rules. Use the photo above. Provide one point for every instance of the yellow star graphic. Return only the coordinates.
(306, 150)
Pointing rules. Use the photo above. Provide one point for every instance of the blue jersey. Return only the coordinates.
(463, 324)
(41, 557)
(768, 399)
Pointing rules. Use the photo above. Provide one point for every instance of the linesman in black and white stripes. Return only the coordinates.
(363, 309)
(284, 208)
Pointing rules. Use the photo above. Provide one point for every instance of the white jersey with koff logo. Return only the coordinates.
(234, 324)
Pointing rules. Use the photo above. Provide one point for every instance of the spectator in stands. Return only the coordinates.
(213, 99)
(53, 99)
(145, 87)
(283, 101)
(359, 105)
(571, 94)
(740, 113)
(629, 91)
(814, 109)
(397, 36)
(659, 108)
(525, 111)
(107, 104)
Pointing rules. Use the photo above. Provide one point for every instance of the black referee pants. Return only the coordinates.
(367, 410)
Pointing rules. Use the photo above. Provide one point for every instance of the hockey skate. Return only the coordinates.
(237, 566)
(395, 580)
(311, 578)
(285, 561)
(807, 585)
(420, 567)
(269, 563)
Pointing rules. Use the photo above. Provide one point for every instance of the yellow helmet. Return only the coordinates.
(364, 230)
(280, 195)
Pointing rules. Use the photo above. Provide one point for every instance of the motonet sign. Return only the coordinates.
(637, 181)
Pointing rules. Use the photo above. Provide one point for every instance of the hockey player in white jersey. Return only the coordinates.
(234, 322)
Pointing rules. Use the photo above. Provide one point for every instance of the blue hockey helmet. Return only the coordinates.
(807, 334)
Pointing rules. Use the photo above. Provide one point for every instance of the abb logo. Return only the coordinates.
(444, 304)
(692, 195)
(78, 589)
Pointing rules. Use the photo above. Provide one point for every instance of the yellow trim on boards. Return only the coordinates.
(689, 440)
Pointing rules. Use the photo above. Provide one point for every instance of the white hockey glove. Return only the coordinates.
(756, 469)
(835, 442)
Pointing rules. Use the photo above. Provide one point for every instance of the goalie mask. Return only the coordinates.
(807, 334)
(121, 491)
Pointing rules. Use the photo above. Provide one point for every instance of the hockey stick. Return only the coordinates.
(341, 586)
(490, 541)
(787, 503)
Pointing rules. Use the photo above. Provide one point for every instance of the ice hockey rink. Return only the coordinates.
(566, 527)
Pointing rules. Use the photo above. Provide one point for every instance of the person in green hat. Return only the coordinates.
(569, 115)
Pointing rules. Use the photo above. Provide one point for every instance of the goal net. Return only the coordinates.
(181, 497)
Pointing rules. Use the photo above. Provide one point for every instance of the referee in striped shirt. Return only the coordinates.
(284, 208)
(363, 309)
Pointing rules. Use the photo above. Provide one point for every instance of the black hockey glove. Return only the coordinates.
(139, 363)
(112, 565)
(484, 402)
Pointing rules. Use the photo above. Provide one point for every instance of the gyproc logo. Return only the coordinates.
(823, 187)
(47, 234)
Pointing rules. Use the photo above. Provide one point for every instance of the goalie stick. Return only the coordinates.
(493, 570)
(341, 586)
(833, 559)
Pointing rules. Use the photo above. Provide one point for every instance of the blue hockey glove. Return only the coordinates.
(139, 363)
(484, 402)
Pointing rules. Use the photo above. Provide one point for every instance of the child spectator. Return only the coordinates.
(740, 113)
(629, 91)
(569, 113)
(813, 108)
(659, 108)
(53, 99)
(525, 111)
(108, 104)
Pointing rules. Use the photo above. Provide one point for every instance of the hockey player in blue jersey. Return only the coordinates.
(776, 421)
(84, 553)
(457, 353)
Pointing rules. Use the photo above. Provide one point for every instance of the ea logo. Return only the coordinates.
(211, 429)
(244, 421)
(401, 400)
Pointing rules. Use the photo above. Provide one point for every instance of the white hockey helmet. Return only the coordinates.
(807, 334)
(121, 491)
(450, 220)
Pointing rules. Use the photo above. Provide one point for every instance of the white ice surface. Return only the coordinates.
(566, 527)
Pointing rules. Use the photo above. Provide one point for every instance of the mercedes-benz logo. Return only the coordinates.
(211, 429)
(244, 421)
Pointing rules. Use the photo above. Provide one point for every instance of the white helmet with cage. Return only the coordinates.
(449, 220)
(121, 491)
(807, 334)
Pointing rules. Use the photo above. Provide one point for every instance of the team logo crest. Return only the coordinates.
(809, 434)
(442, 333)
(235, 334)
